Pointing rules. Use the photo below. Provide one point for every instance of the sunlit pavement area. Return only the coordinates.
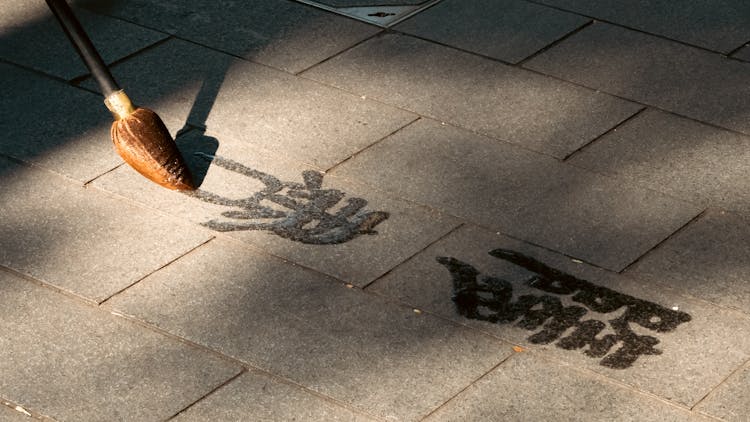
(408, 210)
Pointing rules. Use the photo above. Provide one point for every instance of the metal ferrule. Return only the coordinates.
(119, 104)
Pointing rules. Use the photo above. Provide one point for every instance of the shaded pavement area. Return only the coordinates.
(408, 210)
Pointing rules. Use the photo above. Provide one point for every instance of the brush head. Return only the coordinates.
(143, 141)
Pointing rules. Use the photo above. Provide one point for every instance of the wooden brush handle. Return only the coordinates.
(83, 45)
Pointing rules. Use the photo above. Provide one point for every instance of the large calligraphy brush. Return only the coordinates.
(139, 135)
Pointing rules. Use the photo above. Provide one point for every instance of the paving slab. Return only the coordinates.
(32, 37)
(709, 259)
(482, 95)
(381, 358)
(263, 398)
(71, 361)
(721, 26)
(279, 33)
(691, 82)
(39, 126)
(357, 246)
(526, 388)
(76, 238)
(681, 157)
(639, 333)
(729, 402)
(263, 107)
(521, 193)
(506, 30)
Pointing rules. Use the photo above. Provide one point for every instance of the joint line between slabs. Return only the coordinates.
(156, 270)
(611, 130)
(471, 384)
(246, 366)
(327, 59)
(242, 371)
(736, 50)
(88, 182)
(665, 240)
(25, 411)
(410, 257)
(82, 78)
(711, 392)
(379, 141)
(35, 71)
(630, 28)
(555, 42)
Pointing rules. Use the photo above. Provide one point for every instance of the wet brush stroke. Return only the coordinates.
(300, 212)
(490, 298)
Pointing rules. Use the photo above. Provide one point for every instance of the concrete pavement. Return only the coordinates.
(408, 210)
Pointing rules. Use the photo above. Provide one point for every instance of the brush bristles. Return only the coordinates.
(144, 143)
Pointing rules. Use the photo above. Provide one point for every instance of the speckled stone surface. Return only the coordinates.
(692, 82)
(39, 127)
(396, 224)
(389, 360)
(32, 37)
(727, 401)
(697, 344)
(709, 259)
(506, 30)
(721, 26)
(75, 238)
(81, 363)
(266, 399)
(479, 94)
(284, 34)
(528, 388)
(683, 158)
(526, 195)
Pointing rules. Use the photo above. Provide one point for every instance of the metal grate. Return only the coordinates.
(384, 13)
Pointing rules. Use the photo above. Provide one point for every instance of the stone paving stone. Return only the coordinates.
(73, 362)
(695, 355)
(257, 105)
(506, 30)
(476, 93)
(678, 156)
(383, 359)
(721, 26)
(82, 240)
(263, 398)
(55, 126)
(690, 81)
(530, 389)
(529, 196)
(283, 34)
(358, 260)
(709, 259)
(729, 402)
(32, 37)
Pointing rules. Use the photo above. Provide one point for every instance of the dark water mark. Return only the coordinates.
(297, 211)
(490, 299)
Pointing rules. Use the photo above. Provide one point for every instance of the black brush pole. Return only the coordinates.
(83, 45)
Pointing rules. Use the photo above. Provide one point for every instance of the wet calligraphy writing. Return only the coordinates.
(491, 299)
(297, 211)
